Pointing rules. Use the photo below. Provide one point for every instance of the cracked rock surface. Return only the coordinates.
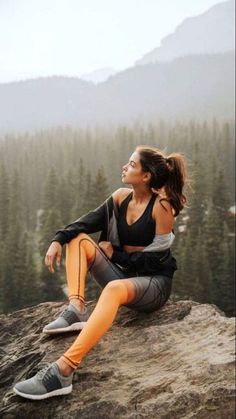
(177, 362)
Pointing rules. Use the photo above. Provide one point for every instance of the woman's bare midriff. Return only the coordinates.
(129, 249)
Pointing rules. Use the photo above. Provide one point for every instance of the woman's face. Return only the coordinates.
(132, 171)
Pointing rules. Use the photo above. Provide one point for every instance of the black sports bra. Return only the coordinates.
(142, 231)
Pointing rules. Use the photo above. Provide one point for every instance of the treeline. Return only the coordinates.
(50, 178)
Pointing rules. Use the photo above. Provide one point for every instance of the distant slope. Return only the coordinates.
(99, 76)
(209, 33)
(191, 87)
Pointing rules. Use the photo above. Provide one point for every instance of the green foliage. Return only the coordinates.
(74, 171)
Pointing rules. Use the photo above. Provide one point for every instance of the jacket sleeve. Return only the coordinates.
(142, 262)
(91, 222)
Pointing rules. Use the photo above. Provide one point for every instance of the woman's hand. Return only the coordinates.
(54, 250)
(107, 248)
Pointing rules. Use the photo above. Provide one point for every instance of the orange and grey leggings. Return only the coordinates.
(141, 293)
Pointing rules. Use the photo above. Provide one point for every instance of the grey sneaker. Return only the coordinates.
(48, 382)
(69, 320)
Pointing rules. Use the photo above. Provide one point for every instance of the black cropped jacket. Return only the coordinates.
(104, 219)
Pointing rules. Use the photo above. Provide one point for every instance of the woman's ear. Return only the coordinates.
(147, 177)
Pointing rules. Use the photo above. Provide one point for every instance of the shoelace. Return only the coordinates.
(64, 312)
(67, 310)
(40, 374)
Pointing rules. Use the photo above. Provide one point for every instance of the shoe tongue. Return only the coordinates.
(55, 367)
(43, 371)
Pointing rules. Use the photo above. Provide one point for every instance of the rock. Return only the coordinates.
(177, 362)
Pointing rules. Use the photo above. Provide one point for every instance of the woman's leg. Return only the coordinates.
(116, 293)
(80, 252)
(83, 255)
(140, 293)
(152, 292)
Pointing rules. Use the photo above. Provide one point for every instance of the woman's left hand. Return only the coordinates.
(107, 248)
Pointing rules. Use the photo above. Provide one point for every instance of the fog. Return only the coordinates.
(57, 37)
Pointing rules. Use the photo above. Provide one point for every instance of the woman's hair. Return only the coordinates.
(169, 171)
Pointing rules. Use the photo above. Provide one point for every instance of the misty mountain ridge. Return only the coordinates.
(99, 76)
(199, 87)
(164, 86)
(208, 33)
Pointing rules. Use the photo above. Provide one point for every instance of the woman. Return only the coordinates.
(135, 268)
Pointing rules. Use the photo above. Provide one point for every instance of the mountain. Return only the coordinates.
(99, 76)
(177, 362)
(43, 102)
(211, 32)
(199, 87)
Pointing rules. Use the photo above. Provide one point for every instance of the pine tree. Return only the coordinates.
(14, 265)
(99, 189)
(79, 192)
(51, 283)
(201, 269)
(51, 190)
(28, 282)
(220, 194)
(4, 201)
(184, 279)
(87, 203)
(197, 205)
(66, 201)
(214, 236)
(225, 271)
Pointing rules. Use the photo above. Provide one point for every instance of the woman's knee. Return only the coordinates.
(85, 241)
(78, 238)
(118, 287)
(115, 286)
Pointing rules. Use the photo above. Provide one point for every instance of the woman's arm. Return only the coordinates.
(88, 223)
(92, 222)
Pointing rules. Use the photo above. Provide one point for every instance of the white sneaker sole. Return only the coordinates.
(71, 328)
(59, 392)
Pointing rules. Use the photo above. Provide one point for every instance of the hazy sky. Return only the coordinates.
(73, 37)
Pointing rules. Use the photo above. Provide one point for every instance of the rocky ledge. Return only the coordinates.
(177, 362)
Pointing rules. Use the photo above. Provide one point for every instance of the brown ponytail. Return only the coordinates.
(168, 171)
(176, 181)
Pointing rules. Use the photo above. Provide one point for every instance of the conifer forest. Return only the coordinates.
(50, 178)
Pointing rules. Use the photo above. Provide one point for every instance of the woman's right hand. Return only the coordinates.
(54, 251)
